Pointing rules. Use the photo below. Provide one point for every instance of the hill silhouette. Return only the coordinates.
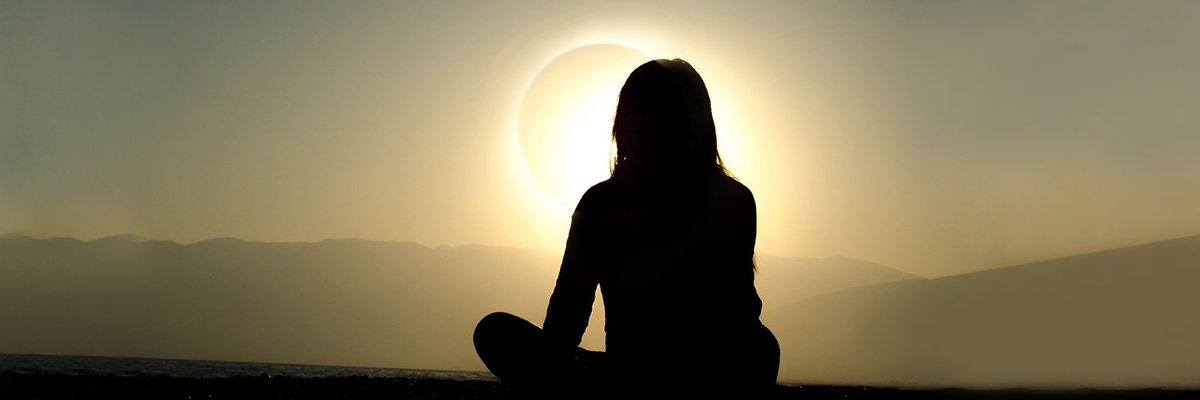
(1122, 317)
(786, 280)
(334, 302)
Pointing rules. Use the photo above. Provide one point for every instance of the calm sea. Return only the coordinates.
(128, 366)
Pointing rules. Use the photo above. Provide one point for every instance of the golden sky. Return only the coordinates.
(935, 137)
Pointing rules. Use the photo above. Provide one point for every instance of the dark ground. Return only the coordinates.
(59, 386)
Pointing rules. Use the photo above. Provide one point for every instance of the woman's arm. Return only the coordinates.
(748, 231)
(744, 227)
(575, 290)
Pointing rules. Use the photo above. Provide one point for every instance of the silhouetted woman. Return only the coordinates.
(669, 238)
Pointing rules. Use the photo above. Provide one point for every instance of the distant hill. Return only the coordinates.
(334, 302)
(785, 280)
(1125, 316)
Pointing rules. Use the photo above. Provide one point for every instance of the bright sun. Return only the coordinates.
(565, 122)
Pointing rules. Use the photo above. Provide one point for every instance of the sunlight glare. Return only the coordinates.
(565, 123)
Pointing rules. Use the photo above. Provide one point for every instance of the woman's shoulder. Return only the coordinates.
(598, 197)
(733, 192)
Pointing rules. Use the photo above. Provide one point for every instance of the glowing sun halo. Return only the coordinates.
(565, 120)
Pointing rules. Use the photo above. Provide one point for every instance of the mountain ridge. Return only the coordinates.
(1116, 317)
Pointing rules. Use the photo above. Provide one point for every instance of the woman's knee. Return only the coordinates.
(503, 329)
(489, 325)
(498, 318)
(508, 345)
(770, 354)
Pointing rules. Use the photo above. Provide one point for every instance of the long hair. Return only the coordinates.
(664, 124)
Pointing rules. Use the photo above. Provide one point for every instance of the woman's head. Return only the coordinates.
(664, 124)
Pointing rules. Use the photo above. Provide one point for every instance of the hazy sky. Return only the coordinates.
(933, 137)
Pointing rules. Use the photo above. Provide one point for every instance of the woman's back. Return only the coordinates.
(674, 262)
